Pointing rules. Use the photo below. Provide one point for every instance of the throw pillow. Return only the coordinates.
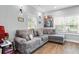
(35, 33)
(27, 38)
(40, 32)
(31, 36)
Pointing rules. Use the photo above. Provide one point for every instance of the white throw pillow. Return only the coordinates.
(31, 36)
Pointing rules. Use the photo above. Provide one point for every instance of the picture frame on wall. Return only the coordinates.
(20, 19)
(48, 21)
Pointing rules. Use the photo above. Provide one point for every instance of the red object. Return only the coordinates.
(2, 33)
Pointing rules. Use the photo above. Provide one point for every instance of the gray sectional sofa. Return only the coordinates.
(27, 41)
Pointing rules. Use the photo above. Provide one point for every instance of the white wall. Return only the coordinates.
(8, 18)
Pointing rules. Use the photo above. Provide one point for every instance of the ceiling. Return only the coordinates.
(47, 8)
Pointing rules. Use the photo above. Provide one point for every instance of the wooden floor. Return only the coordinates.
(55, 48)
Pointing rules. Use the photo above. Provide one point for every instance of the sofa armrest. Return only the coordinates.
(21, 45)
(20, 40)
(27, 44)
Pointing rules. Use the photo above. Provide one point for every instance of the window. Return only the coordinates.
(32, 23)
(72, 24)
(67, 24)
(60, 24)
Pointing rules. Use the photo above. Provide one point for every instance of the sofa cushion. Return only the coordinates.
(25, 36)
(24, 33)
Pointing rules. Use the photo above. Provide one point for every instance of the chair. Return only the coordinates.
(3, 35)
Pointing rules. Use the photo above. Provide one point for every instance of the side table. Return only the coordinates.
(7, 47)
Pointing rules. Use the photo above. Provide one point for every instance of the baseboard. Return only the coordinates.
(56, 42)
(72, 41)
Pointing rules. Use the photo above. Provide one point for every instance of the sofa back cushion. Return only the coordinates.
(49, 31)
(24, 33)
(20, 33)
(38, 32)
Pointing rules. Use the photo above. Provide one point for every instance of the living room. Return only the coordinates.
(39, 29)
